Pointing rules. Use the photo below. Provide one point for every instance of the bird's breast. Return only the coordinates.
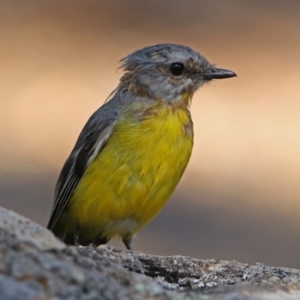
(139, 167)
(161, 140)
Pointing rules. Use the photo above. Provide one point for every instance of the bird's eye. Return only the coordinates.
(177, 69)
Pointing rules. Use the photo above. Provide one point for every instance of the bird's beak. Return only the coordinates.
(216, 73)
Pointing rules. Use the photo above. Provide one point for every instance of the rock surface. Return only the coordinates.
(35, 265)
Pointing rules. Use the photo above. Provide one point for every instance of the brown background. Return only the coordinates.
(240, 196)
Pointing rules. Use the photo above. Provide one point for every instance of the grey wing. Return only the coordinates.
(90, 142)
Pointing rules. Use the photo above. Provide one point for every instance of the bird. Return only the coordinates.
(133, 150)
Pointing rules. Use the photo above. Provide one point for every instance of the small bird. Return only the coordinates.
(133, 150)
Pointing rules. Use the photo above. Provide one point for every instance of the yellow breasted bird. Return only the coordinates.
(133, 150)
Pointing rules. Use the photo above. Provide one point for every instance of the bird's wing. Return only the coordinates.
(91, 141)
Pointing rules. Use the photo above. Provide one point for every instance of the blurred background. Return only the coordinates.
(240, 195)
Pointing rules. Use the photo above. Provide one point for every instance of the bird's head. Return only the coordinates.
(168, 72)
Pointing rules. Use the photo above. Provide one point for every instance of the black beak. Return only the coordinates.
(216, 73)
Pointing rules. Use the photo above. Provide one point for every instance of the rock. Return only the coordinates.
(35, 265)
(180, 272)
(21, 229)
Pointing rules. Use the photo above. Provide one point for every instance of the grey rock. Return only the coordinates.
(180, 272)
(18, 227)
(11, 289)
(35, 265)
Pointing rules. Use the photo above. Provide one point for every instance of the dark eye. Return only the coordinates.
(177, 68)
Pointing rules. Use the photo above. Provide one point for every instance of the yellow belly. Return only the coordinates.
(131, 179)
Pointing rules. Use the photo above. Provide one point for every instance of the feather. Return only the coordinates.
(90, 143)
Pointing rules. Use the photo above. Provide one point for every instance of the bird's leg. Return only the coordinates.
(99, 241)
(127, 242)
(76, 236)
